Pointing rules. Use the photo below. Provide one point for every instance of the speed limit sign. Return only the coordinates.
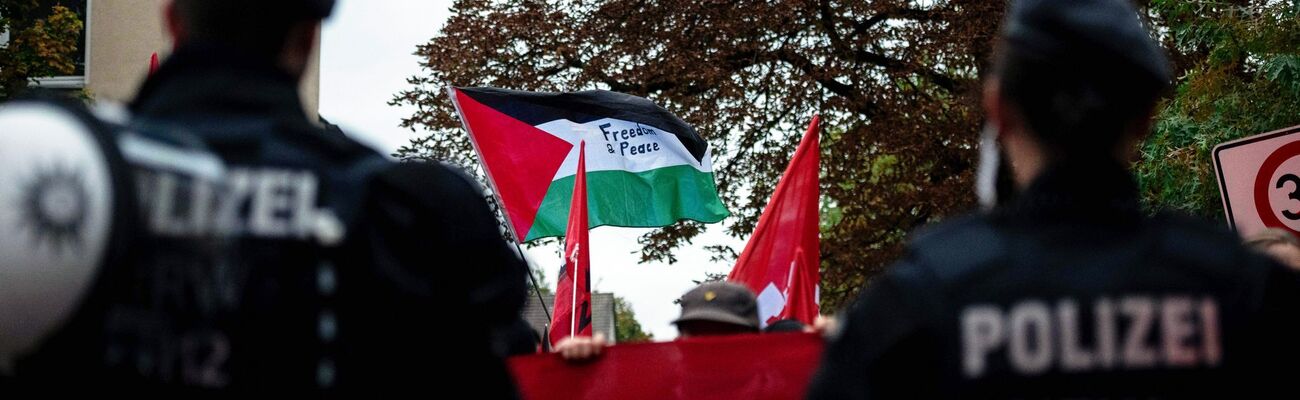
(1259, 179)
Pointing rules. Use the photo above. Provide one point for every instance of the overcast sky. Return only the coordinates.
(366, 57)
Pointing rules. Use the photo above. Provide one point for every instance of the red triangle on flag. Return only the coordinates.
(520, 159)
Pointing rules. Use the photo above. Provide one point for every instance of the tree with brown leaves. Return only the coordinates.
(896, 81)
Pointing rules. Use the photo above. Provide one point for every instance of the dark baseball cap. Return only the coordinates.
(1081, 72)
(723, 302)
(1105, 31)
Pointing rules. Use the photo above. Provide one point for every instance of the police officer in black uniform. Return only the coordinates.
(310, 263)
(1069, 291)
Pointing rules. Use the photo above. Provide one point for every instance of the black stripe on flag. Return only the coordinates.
(536, 108)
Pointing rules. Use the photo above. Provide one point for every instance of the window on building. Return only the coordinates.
(78, 79)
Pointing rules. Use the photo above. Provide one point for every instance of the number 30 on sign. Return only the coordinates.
(1259, 179)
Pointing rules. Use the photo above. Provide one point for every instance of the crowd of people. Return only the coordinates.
(213, 239)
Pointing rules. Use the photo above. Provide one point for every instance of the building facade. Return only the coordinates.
(120, 38)
(602, 314)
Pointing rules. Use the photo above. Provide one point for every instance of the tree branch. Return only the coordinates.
(845, 51)
(860, 103)
(898, 13)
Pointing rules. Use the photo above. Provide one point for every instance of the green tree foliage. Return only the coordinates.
(1240, 76)
(539, 275)
(627, 329)
(42, 42)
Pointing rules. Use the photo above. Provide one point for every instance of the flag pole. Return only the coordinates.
(573, 313)
(501, 205)
(536, 289)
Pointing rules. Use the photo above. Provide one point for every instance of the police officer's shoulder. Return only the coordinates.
(1193, 229)
(432, 182)
(952, 250)
(1196, 243)
(329, 140)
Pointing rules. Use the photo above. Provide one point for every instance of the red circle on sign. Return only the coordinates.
(1264, 182)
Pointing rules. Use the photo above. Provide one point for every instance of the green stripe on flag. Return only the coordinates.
(649, 199)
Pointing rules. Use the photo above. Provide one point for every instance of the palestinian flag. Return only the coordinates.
(645, 166)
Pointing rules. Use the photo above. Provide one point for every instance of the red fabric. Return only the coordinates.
(705, 368)
(785, 240)
(573, 292)
(801, 303)
(153, 63)
(520, 159)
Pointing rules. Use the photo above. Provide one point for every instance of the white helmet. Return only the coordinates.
(56, 212)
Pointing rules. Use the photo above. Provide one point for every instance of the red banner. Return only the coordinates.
(769, 366)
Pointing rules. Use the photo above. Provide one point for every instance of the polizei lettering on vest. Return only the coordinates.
(261, 203)
(1127, 333)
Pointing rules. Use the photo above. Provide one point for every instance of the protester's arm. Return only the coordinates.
(580, 348)
(826, 325)
(882, 347)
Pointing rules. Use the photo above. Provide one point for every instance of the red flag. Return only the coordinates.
(780, 262)
(573, 292)
(801, 297)
(153, 63)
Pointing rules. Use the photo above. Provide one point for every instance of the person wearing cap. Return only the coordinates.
(337, 270)
(710, 309)
(718, 308)
(1069, 290)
